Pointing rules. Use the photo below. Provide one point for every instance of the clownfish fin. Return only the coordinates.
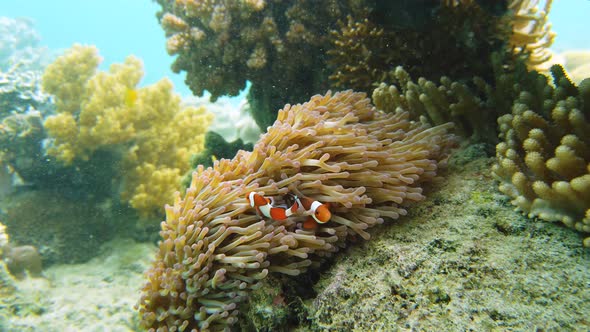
(310, 223)
(278, 213)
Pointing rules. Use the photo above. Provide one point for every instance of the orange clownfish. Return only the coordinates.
(319, 213)
(264, 206)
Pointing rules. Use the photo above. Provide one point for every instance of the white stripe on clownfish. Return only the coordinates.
(264, 206)
(319, 213)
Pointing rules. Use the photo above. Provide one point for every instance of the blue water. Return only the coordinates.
(571, 22)
(123, 27)
(117, 27)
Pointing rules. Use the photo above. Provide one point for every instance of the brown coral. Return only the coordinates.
(276, 45)
(452, 41)
(336, 148)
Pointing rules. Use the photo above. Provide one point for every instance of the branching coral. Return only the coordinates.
(276, 45)
(452, 41)
(543, 162)
(531, 32)
(438, 104)
(336, 148)
(456, 36)
(106, 110)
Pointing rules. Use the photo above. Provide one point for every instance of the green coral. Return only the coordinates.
(543, 163)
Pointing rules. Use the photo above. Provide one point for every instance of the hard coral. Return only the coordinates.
(335, 148)
(19, 259)
(23, 260)
(438, 104)
(276, 45)
(20, 139)
(106, 110)
(543, 162)
(451, 42)
(532, 32)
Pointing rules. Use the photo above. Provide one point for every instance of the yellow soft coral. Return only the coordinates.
(103, 110)
(67, 76)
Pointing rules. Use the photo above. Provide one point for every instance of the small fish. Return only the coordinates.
(264, 206)
(213, 158)
(319, 213)
(130, 97)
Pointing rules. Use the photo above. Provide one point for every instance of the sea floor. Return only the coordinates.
(98, 295)
(463, 259)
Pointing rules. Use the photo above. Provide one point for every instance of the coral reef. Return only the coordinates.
(364, 51)
(531, 32)
(295, 49)
(438, 104)
(107, 111)
(462, 260)
(20, 91)
(543, 163)
(458, 244)
(19, 46)
(22, 103)
(338, 149)
(266, 309)
(20, 144)
(276, 45)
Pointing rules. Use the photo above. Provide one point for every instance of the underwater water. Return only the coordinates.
(429, 212)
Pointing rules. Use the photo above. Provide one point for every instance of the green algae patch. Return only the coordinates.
(448, 267)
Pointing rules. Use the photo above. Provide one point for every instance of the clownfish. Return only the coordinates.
(264, 206)
(319, 213)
